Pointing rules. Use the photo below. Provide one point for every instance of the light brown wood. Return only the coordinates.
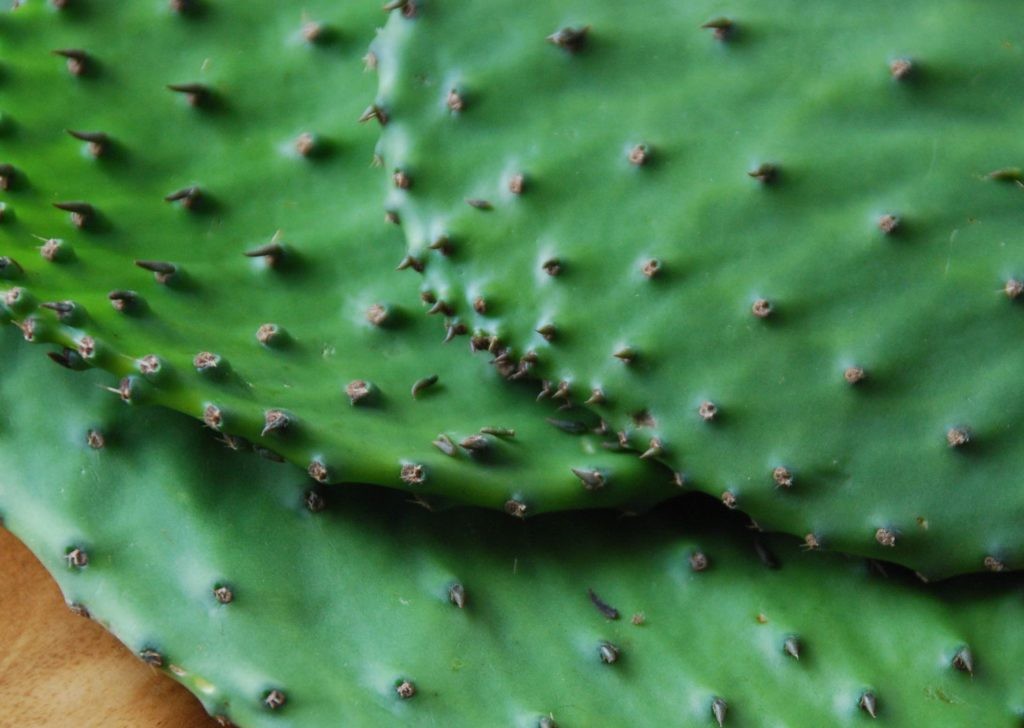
(59, 670)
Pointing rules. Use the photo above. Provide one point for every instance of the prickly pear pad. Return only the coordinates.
(355, 607)
(777, 245)
(194, 208)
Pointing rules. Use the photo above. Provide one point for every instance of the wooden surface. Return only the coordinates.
(59, 670)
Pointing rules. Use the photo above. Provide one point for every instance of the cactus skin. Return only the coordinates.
(340, 307)
(676, 178)
(337, 608)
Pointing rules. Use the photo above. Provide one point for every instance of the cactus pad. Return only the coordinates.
(779, 250)
(200, 216)
(280, 608)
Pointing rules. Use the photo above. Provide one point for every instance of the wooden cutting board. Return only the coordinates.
(58, 670)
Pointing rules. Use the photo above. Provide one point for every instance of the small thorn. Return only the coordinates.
(957, 437)
(901, 68)
(762, 308)
(313, 31)
(213, 417)
(67, 358)
(63, 309)
(625, 354)
(854, 375)
(78, 60)
(273, 252)
(479, 204)
(886, 537)
(98, 141)
(314, 501)
(223, 594)
(123, 300)
(569, 39)
(1013, 289)
(455, 101)
(475, 443)
(516, 184)
(275, 421)
(889, 224)
(206, 361)
(82, 213)
(869, 704)
(792, 647)
(442, 244)
(401, 179)
(445, 445)
(422, 384)
(391, 217)
(498, 431)
(8, 173)
(77, 558)
(377, 314)
(678, 479)
(195, 94)
(454, 329)
(699, 561)
(609, 653)
(591, 479)
(607, 610)
(162, 271)
(54, 249)
(991, 563)
(275, 699)
(547, 331)
(963, 661)
(1009, 174)
(410, 262)
(374, 112)
(413, 474)
(811, 542)
(597, 396)
(723, 28)
(480, 305)
(639, 155)
(187, 196)
(152, 657)
(783, 477)
(457, 595)
(707, 411)
(318, 471)
(515, 508)
(269, 334)
(765, 173)
(651, 268)
(718, 709)
(552, 267)
(358, 390)
(406, 689)
(653, 450)
(729, 499)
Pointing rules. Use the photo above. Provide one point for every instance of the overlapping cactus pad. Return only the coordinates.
(370, 611)
(197, 211)
(777, 245)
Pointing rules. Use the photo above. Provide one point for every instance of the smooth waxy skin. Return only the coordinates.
(339, 607)
(797, 162)
(275, 149)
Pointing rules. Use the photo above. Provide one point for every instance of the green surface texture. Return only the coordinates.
(336, 609)
(313, 349)
(776, 245)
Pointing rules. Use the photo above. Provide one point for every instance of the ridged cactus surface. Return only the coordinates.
(776, 245)
(232, 260)
(371, 611)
